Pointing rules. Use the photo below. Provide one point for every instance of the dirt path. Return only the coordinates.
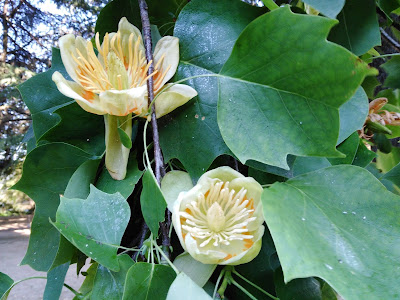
(14, 237)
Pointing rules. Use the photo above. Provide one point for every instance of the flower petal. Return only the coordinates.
(205, 256)
(173, 97)
(124, 102)
(172, 184)
(249, 255)
(68, 47)
(169, 47)
(222, 173)
(86, 99)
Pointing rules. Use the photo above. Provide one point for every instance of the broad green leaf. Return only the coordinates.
(363, 155)
(185, 288)
(325, 223)
(173, 183)
(152, 202)
(349, 147)
(352, 114)
(329, 8)
(87, 285)
(42, 97)
(162, 13)
(207, 31)
(78, 187)
(108, 284)
(46, 172)
(124, 187)
(358, 28)
(369, 85)
(95, 225)
(198, 272)
(392, 68)
(386, 162)
(77, 127)
(146, 281)
(5, 285)
(297, 289)
(388, 5)
(284, 97)
(55, 282)
(393, 175)
(298, 165)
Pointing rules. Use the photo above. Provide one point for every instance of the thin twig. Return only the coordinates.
(394, 43)
(143, 233)
(159, 161)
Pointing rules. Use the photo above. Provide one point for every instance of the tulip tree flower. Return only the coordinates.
(114, 82)
(219, 220)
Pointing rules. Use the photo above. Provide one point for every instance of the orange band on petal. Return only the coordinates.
(89, 96)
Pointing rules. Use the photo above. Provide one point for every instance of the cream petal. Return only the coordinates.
(67, 45)
(176, 219)
(87, 100)
(123, 102)
(207, 256)
(168, 46)
(175, 96)
(246, 256)
(172, 184)
(222, 173)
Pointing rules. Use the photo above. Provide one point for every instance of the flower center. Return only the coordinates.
(221, 215)
(114, 70)
(215, 217)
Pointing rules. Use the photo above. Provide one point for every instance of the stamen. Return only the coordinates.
(119, 81)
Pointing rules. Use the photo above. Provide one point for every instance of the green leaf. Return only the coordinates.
(110, 285)
(125, 139)
(388, 5)
(392, 68)
(42, 97)
(152, 202)
(352, 114)
(87, 285)
(363, 155)
(297, 289)
(6, 284)
(162, 13)
(78, 187)
(386, 162)
(185, 288)
(46, 172)
(292, 106)
(88, 135)
(393, 175)
(329, 8)
(95, 225)
(147, 281)
(126, 186)
(207, 31)
(55, 282)
(325, 224)
(349, 147)
(358, 28)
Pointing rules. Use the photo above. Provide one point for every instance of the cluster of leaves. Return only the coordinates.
(273, 94)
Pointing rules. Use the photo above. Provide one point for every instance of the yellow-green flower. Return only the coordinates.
(219, 221)
(113, 83)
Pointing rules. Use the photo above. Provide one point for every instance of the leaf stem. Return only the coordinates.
(159, 161)
(217, 283)
(166, 258)
(254, 285)
(242, 289)
(270, 4)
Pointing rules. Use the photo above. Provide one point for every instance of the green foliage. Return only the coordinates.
(94, 225)
(332, 213)
(358, 28)
(148, 281)
(278, 102)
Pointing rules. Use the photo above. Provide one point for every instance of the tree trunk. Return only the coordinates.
(3, 55)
